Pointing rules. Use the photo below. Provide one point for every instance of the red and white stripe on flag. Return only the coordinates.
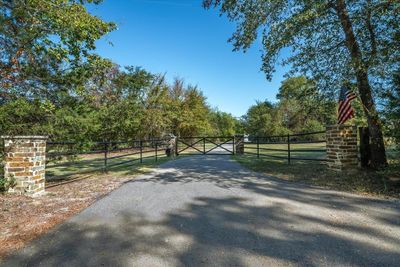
(345, 111)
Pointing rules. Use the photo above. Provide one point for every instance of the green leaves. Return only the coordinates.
(314, 34)
(43, 40)
(301, 108)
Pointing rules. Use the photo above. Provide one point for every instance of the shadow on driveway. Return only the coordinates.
(210, 211)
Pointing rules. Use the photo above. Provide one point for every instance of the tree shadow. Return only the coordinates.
(208, 231)
(226, 173)
(256, 221)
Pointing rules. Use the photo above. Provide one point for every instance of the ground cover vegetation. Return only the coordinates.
(383, 183)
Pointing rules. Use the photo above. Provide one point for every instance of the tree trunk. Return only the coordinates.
(378, 154)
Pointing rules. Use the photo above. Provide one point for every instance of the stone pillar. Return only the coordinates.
(25, 164)
(239, 144)
(341, 147)
(171, 145)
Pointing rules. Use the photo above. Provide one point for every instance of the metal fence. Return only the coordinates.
(64, 159)
(303, 146)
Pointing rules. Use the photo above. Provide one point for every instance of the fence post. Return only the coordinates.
(288, 147)
(105, 155)
(141, 151)
(258, 147)
(204, 145)
(176, 146)
(239, 145)
(156, 151)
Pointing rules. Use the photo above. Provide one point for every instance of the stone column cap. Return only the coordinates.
(31, 137)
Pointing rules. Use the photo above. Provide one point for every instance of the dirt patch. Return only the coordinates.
(23, 218)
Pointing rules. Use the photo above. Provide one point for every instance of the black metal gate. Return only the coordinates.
(215, 145)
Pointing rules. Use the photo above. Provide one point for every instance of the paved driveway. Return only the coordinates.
(209, 211)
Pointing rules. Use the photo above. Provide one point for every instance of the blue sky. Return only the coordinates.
(181, 39)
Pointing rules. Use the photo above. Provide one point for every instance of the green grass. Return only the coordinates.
(386, 182)
(95, 163)
(314, 147)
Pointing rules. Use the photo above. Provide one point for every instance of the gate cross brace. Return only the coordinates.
(218, 145)
(190, 145)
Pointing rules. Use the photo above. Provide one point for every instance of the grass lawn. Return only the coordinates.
(94, 163)
(383, 183)
(296, 150)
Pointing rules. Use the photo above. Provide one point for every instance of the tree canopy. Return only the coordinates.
(45, 44)
(300, 108)
(331, 41)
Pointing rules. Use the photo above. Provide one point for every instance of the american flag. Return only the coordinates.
(345, 111)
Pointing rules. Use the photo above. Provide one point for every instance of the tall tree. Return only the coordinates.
(333, 40)
(222, 123)
(187, 109)
(44, 41)
(303, 105)
(262, 120)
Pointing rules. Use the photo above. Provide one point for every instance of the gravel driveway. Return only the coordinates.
(210, 211)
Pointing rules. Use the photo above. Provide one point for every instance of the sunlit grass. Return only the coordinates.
(385, 182)
(273, 150)
(71, 169)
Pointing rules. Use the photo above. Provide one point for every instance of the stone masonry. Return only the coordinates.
(341, 147)
(239, 144)
(25, 164)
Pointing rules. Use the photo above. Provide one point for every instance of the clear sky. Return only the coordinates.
(181, 39)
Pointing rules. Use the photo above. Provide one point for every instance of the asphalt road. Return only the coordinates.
(209, 211)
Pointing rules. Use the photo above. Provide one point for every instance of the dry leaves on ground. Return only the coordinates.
(23, 218)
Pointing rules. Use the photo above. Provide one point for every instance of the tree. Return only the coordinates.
(303, 108)
(392, 110)
(222, 123)
(44, 42)
(262, 120)
(332, 40)
(187, 110)
(194, 110)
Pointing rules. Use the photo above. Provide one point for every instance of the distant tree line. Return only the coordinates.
(115, 104)
(52, 82)
(300, 108)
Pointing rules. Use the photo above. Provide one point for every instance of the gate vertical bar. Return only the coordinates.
(234, 145)
(156, 151)
(176, 146)
(204, 145)
(288, 145)
(141, 151)
(258, 147)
